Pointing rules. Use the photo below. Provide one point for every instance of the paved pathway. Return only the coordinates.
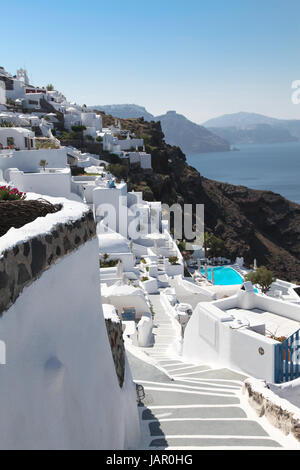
(194, 406)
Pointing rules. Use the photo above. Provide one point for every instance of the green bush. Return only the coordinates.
(6, 124)
(114, 159)
(78, 128)
(119, 171)
(263, 277)
(105, 262)
(77, 170)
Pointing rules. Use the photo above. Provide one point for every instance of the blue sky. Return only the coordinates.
(201, 58)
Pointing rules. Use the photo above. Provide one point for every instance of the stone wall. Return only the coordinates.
(21, 265)
(277, 414)
(115, 336)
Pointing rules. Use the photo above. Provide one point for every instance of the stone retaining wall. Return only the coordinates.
(115, 336)
(21, 265)
(279, 416)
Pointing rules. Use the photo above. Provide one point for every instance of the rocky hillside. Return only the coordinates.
(178, 130)
(125, 111)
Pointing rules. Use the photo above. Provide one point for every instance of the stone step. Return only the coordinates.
(225, 374)
(161, 398)
(194, 412)
(206, 427)
(203, 391)
(196, 442)
(200, 384)
(190, 372)
(192, 387)
(180, 370)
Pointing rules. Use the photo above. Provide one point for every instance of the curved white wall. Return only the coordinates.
(59, 388)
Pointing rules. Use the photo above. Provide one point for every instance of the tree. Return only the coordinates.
(263, 277)
(50, 87)
(216, 245)
(43, 164)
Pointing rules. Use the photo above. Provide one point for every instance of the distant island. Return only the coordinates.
(252, 128)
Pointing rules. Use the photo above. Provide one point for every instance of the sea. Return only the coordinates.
(274, 167)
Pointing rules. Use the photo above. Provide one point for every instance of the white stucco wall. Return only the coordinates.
(146, 161)
(59, 389)
(56, 183)
(209, 339)
(127, 144)
(29, 160)
(18, 91)
(92, 120)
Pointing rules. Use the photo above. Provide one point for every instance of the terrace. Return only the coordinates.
(242, 332)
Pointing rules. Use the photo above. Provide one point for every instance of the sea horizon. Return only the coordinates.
(270, 167)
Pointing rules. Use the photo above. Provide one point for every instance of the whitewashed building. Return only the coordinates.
(16, 138)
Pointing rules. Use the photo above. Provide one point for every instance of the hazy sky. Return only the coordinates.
(200, 58)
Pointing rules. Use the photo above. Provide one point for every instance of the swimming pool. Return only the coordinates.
(224, 276)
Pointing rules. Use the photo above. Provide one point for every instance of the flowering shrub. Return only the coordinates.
(11, 194)
(281, 339)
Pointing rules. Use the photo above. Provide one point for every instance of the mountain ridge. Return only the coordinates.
(178, 130)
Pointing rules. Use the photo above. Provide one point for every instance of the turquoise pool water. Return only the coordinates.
(224, 276)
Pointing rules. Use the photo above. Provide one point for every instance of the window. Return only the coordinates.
(26, 142)
(10, 141)
(31, 143)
